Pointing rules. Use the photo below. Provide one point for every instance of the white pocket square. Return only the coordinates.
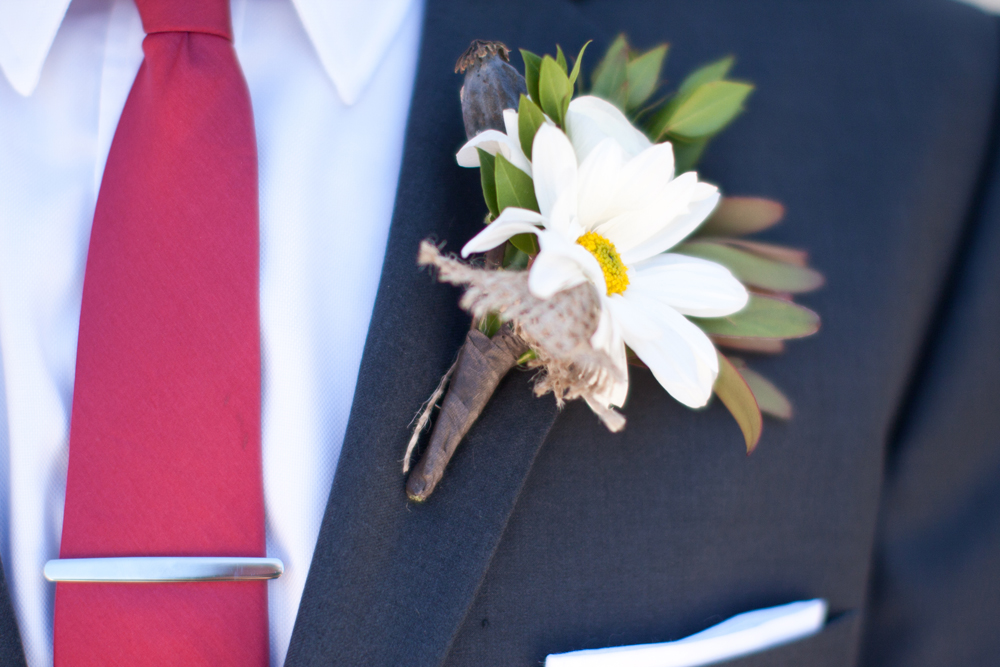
(740, 635)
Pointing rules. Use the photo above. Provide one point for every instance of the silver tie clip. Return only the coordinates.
(146, 569)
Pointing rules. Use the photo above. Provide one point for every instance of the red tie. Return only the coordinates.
(165, 435)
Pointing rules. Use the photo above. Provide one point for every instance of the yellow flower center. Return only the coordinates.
(615, 273)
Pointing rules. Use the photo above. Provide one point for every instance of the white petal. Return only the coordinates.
(493, 142)
(682, 358)
(567, 246)
(703, 202)
(612, 419)
(562, 217)
(645, 177)
(591, 120)
(633, 228)
(562, 264)
(488, 140)
(598, 181)
(510, 124)
(689, 285)
(555, 169)
(633, 322)
(552, 272)
(608, 339)
(511, 221)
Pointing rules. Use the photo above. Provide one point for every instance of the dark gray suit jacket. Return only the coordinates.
(875, 123)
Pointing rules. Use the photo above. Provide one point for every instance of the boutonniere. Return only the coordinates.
(603, 248)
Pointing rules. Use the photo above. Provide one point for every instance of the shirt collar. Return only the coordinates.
(350, 38)
(27, 30)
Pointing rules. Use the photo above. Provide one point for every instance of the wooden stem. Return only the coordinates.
(482, 363)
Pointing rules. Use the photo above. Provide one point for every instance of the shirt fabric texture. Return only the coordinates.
(330, 85)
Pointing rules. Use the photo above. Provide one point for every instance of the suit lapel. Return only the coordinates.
(11, 651)
(390, 582)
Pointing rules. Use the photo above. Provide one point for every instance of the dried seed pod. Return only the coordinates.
(491, 85)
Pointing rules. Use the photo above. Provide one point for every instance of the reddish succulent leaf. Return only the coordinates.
(752, 269)
(737, 216)
(735, 394)
(770, 399)
(758, 345)
(770, 251)
(763, 317)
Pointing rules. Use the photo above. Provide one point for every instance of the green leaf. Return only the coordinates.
(737, 216)
(687, 153)
(526, 243)
(763, 317)
(576, 66)
(611, 75)
(736, 395)
(714, 71)
(514, 187)
(769, 398)
(656, 126)
(490, 324)
(554, 89)
(755, 270)
(532, 65)
(529, 119)
(561, 59)
(658, 120)
(643, 74)
(514, 259)
(487, 174)
(708, 109)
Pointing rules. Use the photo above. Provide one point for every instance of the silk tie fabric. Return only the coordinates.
(165, 453)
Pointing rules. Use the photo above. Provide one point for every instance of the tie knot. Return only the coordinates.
(206, 16)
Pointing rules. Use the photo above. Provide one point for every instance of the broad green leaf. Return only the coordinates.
(708, 109)
(658, 120)
(755, 270)
(736, 395)
(514, 259)
(561, 59)
(763, 317)
(554, 90)
(736, 216)
(687, 153)
(514, 187)
(714, 71)
(526, 243)
(529, 119)
(769, 398)
(643, 74)
(487, 174)
(611, 75)
(532, 64)
(576, 66)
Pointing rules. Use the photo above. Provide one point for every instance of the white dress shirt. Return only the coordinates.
(330, 82)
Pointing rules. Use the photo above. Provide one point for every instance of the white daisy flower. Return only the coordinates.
(495, 141)
(610, 208)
